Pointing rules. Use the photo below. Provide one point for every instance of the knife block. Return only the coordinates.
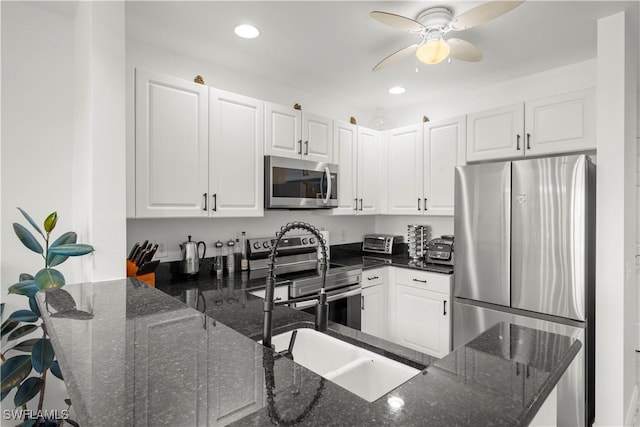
(149, 278)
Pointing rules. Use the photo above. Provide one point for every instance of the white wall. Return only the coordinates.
(616, 287)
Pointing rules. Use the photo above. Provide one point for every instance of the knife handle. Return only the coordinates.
(133, 251)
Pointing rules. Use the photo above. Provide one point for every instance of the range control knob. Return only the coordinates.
(265, 244)
(312, 240)
(256, 245)
(304, 240)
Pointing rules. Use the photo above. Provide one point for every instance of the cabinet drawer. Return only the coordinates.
(424, 279)
(372, 277)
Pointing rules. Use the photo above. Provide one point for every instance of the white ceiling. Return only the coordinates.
(328, 48)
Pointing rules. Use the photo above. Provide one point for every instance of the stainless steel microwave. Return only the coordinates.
(299, 184)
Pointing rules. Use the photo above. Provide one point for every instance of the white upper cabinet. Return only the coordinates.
(496, 133)
(444, 149)
(405, 170)
(357, 156)
(236, 155)
(561, 124)
(292, 133)
(171, 139)
(199, 151)
(558, 124)
(368, 171)
(422, 159)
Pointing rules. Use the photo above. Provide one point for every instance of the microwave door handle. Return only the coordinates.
(328, 173)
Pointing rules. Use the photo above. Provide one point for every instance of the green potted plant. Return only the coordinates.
(35, 354)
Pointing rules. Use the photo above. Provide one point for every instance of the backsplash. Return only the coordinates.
(342, 229)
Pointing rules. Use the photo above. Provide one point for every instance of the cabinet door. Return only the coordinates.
(561, 124)
(236, 155)
(422, 320)
(317, 138)
(368, 167)
(373, 310)
(171, 146)
(345, 140)
(496, 133)
(444, 149)
(405, 170)
(282, 133)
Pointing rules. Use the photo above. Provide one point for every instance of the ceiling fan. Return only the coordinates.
(433, 23)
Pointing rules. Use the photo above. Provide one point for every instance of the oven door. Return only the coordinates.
(344, 306)
(299, 184)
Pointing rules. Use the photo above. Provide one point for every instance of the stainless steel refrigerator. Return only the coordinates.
(525, 234)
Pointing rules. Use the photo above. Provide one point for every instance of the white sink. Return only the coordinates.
(360, 371)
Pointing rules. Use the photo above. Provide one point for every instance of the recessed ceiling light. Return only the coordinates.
(396, 90)
(246, 31)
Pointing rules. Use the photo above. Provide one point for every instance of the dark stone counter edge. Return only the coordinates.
(529, 414)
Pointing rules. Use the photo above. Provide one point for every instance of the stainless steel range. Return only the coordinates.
(299, 266)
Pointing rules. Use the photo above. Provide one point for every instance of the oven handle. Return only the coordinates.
(350, 292)
(328, 174)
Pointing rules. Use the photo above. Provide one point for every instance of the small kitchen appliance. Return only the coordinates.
(386, 244)
(190, 258)
(419, 236)
(440, 250)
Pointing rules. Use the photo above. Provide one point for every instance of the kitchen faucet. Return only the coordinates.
(322, 309)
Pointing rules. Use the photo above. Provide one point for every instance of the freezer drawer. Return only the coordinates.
(482, 228)
(470, 320)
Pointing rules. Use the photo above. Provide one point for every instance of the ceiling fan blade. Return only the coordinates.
(463, 50)
(483, 13)
(397, 21)
(396, 57)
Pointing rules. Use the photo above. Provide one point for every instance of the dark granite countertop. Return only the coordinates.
(146, 358)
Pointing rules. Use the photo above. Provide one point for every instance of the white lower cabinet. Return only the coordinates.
(421, 311)
(373, 304)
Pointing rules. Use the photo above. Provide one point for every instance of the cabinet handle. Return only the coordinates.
(300, 146)
(215, 202)
(444, 308)
(360, 204)
(528, 374)
(517, 369)
(306, 148)
(372, 278)
(362, 302)
(518, 142)
(528, 140)
(356, 206)
(418, 203)
(425, 203)
(205, 201)
(418, 280)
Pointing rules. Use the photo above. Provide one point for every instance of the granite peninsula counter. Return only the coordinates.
(143, 357)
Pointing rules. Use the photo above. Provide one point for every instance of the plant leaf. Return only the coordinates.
(24, 316)
(56, 371)
(1, 309)
(27, 238)
(27, 287)
(49, 278)
(67, 401)
(73, 423)
(22, 331)
(60, 300)
(34, 306)
(31, 221)
(8, 326)
(4, 394)
(28, 390)
(25, 346)
(50, 222)
(73, 314)
(14, 370)
(30, 422)
(66, 238)
(72, 249)
(24, 277)
(42, 355)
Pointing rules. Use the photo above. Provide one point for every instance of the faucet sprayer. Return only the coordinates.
(322, 309)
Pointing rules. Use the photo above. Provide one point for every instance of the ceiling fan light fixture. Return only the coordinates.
(433, 51)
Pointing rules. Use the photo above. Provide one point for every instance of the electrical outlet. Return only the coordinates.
(343, 235)
(162, 249)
